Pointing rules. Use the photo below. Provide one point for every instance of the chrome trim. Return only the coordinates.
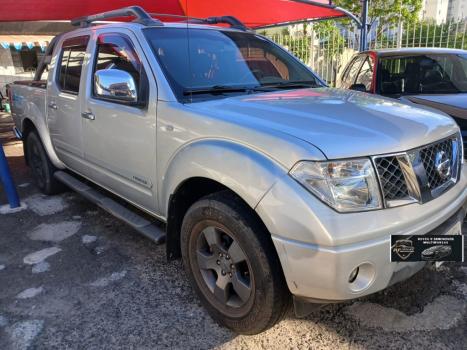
(18, 133)
(88, 115)
(399, 202)
(436, 192)
(380, 185)
(420, 173)
(410, 177)
(415, 175)
(115, 85)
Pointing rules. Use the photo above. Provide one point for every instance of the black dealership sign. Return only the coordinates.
(427, 248)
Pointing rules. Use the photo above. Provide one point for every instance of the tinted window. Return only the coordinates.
(71, 63)
(115, 51)
(365, 76)
(427, 74)
(202, 59)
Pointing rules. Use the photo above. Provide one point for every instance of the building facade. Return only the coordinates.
(457, 10)
(435, 10)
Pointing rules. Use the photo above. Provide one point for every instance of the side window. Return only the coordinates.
(349, 75)
(71, 63)
(399, 75)
(365, 76)
(115, 51)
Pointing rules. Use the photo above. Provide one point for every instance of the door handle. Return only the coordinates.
(53, 106)
(88, 115)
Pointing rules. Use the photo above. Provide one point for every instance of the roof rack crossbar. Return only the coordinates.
(140, 15)
(233, 21)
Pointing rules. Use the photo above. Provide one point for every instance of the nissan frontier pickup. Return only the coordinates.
(270, 186)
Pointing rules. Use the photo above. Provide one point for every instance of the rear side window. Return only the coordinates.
(71, 63)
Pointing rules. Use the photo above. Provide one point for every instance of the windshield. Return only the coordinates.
(424, 74)
(218, 63)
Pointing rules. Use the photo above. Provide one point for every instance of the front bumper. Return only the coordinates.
(319, 248)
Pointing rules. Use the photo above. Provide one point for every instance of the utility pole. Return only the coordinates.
(364, 28)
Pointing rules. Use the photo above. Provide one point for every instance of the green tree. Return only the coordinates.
(331, 39)
(430, 34)
(386, 12)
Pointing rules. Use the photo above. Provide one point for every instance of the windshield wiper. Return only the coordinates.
(217, 89)
(292, 84)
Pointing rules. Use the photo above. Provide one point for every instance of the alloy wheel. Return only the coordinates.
(224, 267)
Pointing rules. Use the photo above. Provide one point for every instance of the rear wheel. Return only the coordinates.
(41, 167)
(232, 264)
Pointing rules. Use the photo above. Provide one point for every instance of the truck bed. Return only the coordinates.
(29, 100)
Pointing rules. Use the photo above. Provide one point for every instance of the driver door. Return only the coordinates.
(120, 137)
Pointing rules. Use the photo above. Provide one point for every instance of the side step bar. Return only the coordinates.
(140, 224)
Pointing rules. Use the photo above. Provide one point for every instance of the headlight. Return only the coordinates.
(345, 185)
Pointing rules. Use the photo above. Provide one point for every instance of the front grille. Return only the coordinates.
(391, 178)
(428, 155)
(412, 176)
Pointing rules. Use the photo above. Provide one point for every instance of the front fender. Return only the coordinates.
(246, 171)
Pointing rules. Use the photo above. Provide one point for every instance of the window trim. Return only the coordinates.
(81, 40)
(349, 66)
(370, 59)
(143, 86)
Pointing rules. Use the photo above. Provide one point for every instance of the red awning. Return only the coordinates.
(60, 10)
(260, 13)
(254, 13)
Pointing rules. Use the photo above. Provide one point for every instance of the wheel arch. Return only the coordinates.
(29, 125)
(208, 166)
(186, 194)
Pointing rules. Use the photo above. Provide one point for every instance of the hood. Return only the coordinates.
(341, 123)
(453, 104)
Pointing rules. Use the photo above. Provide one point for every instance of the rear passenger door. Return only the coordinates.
(119, 136)
(63, 101)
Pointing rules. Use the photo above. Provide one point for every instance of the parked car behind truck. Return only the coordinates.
(431, 77)
(270, 184)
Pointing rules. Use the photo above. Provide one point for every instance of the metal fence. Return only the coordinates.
(328, 49)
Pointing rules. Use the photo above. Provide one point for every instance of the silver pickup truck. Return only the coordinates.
(269, 185)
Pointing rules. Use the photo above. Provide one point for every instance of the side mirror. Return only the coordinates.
(358, 87)
(116, 85)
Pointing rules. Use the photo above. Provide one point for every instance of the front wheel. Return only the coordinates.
(232, 264)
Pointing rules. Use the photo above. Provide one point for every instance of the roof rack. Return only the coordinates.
(233, 21)
(140, 15)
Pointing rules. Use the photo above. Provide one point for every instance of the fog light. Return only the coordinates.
(354, 274)
(361, 277)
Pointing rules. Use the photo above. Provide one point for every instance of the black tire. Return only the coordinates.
(236, 230)
(41, 167)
